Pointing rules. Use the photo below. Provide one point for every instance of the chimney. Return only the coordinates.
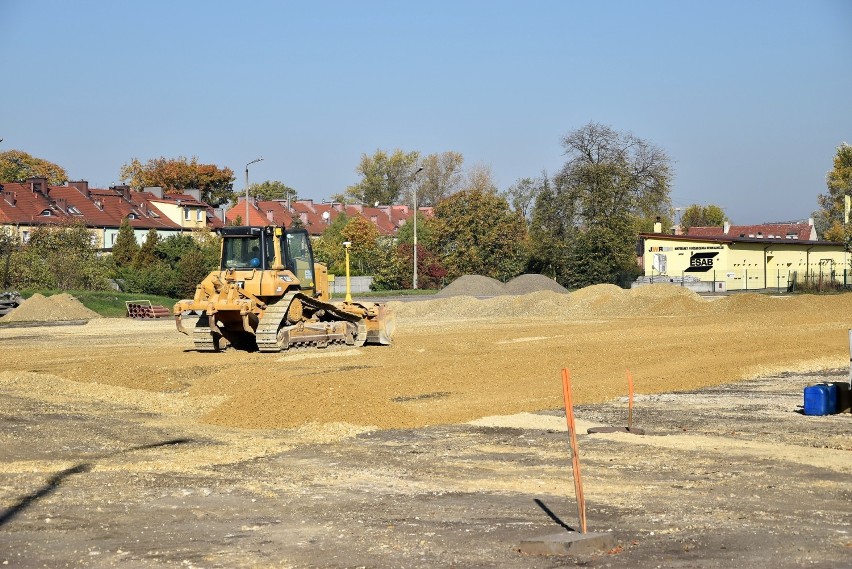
(39, 185)
(220, 213)
(9, 196)
(194, 192)
(726, 228)
(658, 226)
(62, 204)
(157, 191)
(304, 217)
(337, 206)
(269, 216)
(82, 186)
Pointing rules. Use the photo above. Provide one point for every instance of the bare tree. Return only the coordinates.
(441, 177)
(612, 172)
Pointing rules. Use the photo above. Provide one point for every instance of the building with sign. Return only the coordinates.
(727, 263)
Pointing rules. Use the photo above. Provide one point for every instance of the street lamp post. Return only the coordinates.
(414, 281)
(246, 222)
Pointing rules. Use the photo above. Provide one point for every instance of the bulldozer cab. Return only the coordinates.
(246, 248)
(269, 248)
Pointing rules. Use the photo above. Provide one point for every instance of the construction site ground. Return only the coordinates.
(121, 446)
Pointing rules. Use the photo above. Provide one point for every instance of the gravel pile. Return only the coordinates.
(525, 284)
(472, 285)
(480, 286)
(59, 307)
(590, 303)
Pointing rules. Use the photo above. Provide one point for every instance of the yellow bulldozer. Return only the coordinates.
(269, 295)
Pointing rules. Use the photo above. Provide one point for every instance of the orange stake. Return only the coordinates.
(575, 457)
(629, 400)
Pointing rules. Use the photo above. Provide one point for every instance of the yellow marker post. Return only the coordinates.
(346, 245)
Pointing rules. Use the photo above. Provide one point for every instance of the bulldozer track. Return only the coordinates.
(267, 329)
(271, 336)
(203, 337)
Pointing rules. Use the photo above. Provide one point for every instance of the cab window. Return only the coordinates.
(299, 259)
(242, 253)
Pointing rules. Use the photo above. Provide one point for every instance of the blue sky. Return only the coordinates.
(750, 99)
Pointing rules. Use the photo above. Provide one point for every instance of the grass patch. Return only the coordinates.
(107, 303)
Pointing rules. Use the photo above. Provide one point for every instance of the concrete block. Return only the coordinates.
(568, 543)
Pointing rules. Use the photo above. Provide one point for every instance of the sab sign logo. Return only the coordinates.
(701, 262)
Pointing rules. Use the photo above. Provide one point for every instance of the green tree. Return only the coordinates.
(523, 193)
(397, 268)
(147, 254)
(328, 248)
(552, 230)
(839, 184)
(405, 234)
(156, 277)
(172, 248)
(9, 243)
(475, 232)
(191, 269)
(273, 190)
(384, 177)
(175, 175)
(364, 251)
(62, 257)
(609, 182)
(16, 166)
(604, 253)
(702, 216)
(125, 248)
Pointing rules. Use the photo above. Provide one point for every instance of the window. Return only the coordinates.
(186, 214)
(25, 236)
(74, 210)
(241, 253)
(46, 213)
(299, 259)
(199, 215)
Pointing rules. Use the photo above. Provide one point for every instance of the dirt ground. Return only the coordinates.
(122, 446)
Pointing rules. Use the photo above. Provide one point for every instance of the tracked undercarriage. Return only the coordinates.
(269, 296)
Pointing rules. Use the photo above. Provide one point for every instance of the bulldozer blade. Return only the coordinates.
(381, 328)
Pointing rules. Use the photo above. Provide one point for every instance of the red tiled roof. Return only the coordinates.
(97, 207)
(799, 231)
(387, 219)
(21, 203)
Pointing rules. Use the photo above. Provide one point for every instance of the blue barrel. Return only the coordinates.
(821, 399)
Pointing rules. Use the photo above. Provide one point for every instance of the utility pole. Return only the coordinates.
(414, 281)
(246, 221)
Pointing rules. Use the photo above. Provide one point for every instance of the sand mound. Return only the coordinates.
(597, 293)
(59, 307)
(746, 303)
(525, 284)
(662, 290)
